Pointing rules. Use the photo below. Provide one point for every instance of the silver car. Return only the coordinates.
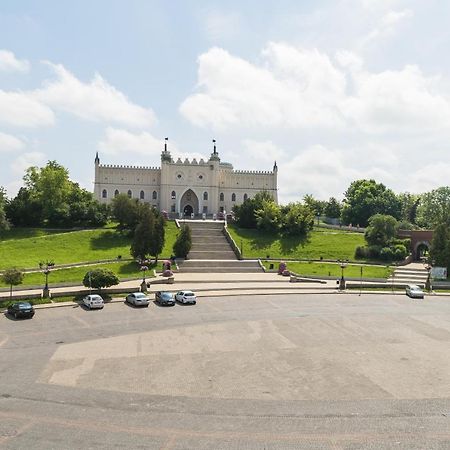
(414, 291)
(93, 301)
(186, 297)
(138, 299)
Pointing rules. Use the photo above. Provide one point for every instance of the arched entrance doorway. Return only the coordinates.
(189, 203)
(422, 250)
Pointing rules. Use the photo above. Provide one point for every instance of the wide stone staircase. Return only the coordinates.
(211, 251)
(410, 274)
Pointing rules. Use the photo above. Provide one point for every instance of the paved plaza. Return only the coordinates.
(331, 371)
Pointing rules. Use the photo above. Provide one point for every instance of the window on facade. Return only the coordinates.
(141, 195)
(130, 194)
(245, 197)
(205, 196)
(233, 197)
(116, 193)
(104, 193)
(172, 208)
(221, 197)
(174, 196)
(205, 209)
(154, 195)
(221, 209)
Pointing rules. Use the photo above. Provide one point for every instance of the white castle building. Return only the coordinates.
(206, 186)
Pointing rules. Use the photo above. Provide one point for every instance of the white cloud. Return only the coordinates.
(293, 87)
(96, 101)
(26, 160)
(9, 63)
(118, 141)
(23, 110)
(221, 25)
(260, 154)
(9, 143)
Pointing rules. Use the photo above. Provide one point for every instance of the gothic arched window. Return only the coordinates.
(221, 197)
(205, 196)
(245, 197)
(130, 194)
(233, 197)
(104, 193)
(141, 195)
(174, 195)
(116, 193)
(154, 195)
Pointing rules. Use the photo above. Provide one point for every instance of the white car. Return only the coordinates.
(93, 301)
(414, 291)
(138, 299)
(186, 297)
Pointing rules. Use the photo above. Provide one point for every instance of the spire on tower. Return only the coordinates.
(97, 159)
(275, 167)
(214, 151)
(165, 143)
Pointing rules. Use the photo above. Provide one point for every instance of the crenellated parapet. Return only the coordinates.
(118, 166)
(253, 172)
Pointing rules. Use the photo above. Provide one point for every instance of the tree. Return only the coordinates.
(141, 247)
(100, 278)
(440, 246)
(332, 208)
(408, 206)
(4, 223)
(24, 210)
(13, 277)
(365, 198)
(316, 206)
(245, 214)
(125, 210)
(159, 233)
(183, 243)
(268, 217)
(298, 219)
(381, 230)
(434, 207)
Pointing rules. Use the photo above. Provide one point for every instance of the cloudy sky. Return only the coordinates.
(332, 90)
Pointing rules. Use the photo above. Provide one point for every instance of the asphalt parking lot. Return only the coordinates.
(331, 371)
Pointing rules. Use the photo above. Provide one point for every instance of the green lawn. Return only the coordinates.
(334, 270)
(123, 270)
(24, 248)
(325, 243)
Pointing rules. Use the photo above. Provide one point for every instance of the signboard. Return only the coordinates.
(439, 273)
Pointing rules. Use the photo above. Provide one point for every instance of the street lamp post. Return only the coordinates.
(46, 267)
(429, 267)
(343, 264)
(143, 268)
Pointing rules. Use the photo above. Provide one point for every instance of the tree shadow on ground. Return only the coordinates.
(134, 269)
(109, 240)
(289, 244)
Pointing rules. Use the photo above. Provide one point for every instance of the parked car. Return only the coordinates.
(414, 291)
(21, 309)
(137, 299)
(164, 298)
(186, 297)
(93, 301)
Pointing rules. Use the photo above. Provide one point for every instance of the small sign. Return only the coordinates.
(439, 273)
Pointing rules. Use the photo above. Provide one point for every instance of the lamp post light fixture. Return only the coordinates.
(46, 267)
(143, 268)
(343, 264)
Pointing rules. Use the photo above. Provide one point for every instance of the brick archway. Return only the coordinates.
(418, 238)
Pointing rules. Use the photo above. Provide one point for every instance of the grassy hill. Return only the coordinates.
(325, 243)
(24, 248)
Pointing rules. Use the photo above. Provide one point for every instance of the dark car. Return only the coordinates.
(21, 309)
(164, 298)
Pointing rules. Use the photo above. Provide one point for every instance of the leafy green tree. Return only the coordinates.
(4, 223)
(381, 230)
(332, 208)
(24, 210)
(365, 198)
(12, 277)
(298, 219)
(245, 214)
(316, 206)
(408, 206)
(183, 243)
(268, 217)
(100, 278)
(126, 211)
(141, 247)
(434, 207)
(440, 245)
(159, 232)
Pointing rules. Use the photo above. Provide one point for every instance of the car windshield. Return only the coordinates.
(415, 288)
(24, 306)
(166, 296)
(96, 297)
(140, 296)
(189, 294)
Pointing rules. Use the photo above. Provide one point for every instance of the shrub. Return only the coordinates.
(362, 252)
(387, 254)
(183, 244)
(374, 251)
(400, 252)
(100, 278)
